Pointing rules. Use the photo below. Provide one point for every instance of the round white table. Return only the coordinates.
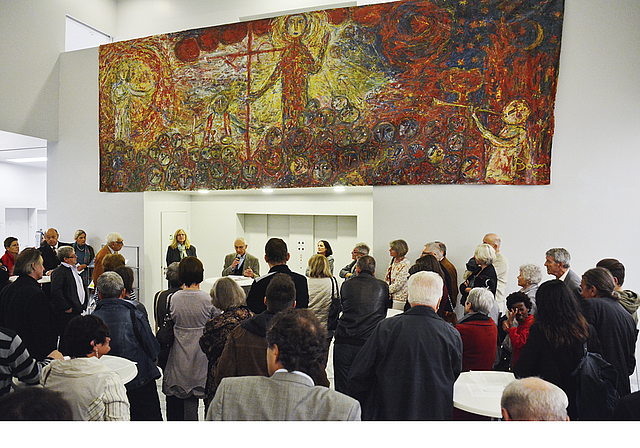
(480, 392)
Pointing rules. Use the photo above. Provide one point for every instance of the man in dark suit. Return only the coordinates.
(276, 255)
(49, 250)
(296, 352)
(557, 262)
(67, 290)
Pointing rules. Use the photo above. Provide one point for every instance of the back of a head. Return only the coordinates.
(533, 399)
(110, 285)
(481, 300)
(435, 249)
(190, 271)
(226, 293)
(25, 260)
(615, 267)
(276, 251)
(362, 249)
(602, 280)
(173, 276)
(425, 288)
(112, 261)
(80, 332)
(34, 404)
(558, 314)
(366, 263)
(301, 340)
(485, 254)
(427, 263)
(127, 277)
(280, 293)
(319, 267)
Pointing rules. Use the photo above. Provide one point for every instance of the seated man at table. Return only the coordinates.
(534, 399)
(296, 351)
(407, 367)
(241, 262)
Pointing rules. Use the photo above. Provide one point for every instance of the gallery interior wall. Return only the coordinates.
(590, 207)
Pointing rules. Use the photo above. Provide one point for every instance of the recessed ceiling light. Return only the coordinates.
(339, 189)
(28, 159)
(267, 190)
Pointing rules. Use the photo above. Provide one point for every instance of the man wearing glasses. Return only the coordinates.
(113, 246)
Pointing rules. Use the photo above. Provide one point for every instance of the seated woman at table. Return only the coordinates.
(227, 296)
(94, 391)
(478, 331)
(556, 340)
(12, 249)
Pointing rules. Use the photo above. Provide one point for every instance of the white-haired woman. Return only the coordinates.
(398, 274)
(529, 278)
(478, 331)
(484, 275)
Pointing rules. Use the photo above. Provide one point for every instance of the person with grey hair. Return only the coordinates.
(160, 299)
(360, 250)
(407, 367)
(85, 254)
(241, 262)
(558, 262)
(228, 297)
(131, 338)
(534, 399)
(529, 278)
(363, 302)
(478, 331)
(25, 309)
(114, 245)
(434, 248)
(67, 291)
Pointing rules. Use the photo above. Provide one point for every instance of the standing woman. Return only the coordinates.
(186, 374)
(12, 249)
(398, 274)
(556, 338)
(180, 247)
(484, 275)
(322, 287)
(85, 254)
(324, 248)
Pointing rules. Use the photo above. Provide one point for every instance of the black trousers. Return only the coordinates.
(144, 403)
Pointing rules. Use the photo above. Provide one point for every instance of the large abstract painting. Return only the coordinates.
(409, 92)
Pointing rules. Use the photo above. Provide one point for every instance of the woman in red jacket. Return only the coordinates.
(478, 331)
(519, 306)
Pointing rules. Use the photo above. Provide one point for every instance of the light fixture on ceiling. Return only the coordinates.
(267, 190)
(339, 188)
(28, 159)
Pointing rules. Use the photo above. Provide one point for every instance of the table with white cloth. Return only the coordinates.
(479, 392)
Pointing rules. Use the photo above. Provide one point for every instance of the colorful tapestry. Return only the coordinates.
(410, 92)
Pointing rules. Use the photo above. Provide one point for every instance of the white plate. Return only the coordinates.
(125, 368)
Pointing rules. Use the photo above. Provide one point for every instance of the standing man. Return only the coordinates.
(435, 250)
(241, 263)
(363, 301)
(349, 270)
(277, 255)
(296, 352)
(49, 250)
(113, 246)
(557, 262)
(451, 269)
(67, 290)
(407, 368)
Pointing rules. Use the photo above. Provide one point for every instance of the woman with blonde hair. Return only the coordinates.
(398, 274)
(180, 247)
(322, 287)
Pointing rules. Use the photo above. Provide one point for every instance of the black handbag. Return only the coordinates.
(165, 336)
(334, 309)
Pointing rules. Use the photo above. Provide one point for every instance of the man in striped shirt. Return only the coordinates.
(15, 361)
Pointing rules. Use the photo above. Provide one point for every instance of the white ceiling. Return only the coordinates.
(14, 146)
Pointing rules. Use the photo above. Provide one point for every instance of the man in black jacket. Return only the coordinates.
(364, 301)
(276, 255)
(67, 290)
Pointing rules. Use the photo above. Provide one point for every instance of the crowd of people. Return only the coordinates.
(262, 353)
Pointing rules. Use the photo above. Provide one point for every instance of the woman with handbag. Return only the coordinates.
(186, 373)
(555, 344)
(323, 287)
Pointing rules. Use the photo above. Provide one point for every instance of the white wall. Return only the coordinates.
(589, 208)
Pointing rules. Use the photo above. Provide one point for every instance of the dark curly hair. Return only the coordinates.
(301, 340)
(518, 297)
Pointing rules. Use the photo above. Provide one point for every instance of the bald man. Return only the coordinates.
(241, 262)
(534, 399)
